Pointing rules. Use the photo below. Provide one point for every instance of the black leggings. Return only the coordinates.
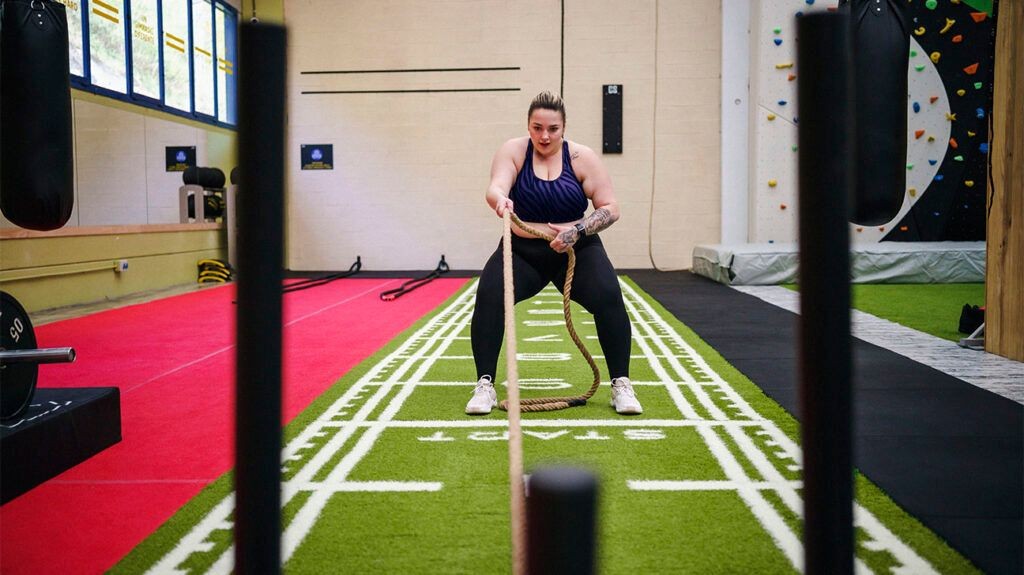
(534, 264)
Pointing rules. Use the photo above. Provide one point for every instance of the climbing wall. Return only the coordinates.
(948, 102)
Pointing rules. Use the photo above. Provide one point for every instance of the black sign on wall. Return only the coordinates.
(612, 117)
(180, 157)
(317, 156)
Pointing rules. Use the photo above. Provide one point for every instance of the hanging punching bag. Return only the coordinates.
(881, 52)
(36, 169)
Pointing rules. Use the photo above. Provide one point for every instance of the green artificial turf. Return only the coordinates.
(931, 308)
(397, 422)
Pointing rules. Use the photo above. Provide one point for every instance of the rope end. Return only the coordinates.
(577, 402)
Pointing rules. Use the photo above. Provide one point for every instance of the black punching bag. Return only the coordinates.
(881, 52)
(36, 169)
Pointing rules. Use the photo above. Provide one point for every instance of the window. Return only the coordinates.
(225, 32)
(76, 52)
(177, 81)
(174, 55)
(202, 55)
(145, 49)
(106, 45)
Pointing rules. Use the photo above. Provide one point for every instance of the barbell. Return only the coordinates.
(20, 358)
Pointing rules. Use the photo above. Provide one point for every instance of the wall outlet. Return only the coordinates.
(121, 266)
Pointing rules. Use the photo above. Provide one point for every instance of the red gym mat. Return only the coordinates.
(173, 360)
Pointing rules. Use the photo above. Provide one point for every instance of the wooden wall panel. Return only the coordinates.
(1004, 291)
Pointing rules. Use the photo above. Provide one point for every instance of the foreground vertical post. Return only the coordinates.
(561, 512)
(261, 96)
(826, 176)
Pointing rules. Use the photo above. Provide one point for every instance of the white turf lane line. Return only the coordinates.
(196, 540)
(881, 537)
(748, 490)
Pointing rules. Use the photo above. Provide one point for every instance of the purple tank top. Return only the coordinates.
(537, 200)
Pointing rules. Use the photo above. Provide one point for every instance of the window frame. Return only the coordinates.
(85, 84)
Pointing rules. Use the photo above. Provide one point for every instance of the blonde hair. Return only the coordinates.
(547, 101)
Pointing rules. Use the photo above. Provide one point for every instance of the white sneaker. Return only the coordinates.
(623, 398)
(484, 397)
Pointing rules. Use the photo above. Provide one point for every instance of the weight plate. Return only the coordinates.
(17, 380)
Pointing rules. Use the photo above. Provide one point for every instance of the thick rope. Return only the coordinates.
(545, 403)
(517, 503)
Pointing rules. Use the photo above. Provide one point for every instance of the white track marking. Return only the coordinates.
(727, 485)
(230, 347)
(766, 515)
(351, 435)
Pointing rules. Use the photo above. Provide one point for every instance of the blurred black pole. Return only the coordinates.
(826, 175)
(561, 519)
(261, 94)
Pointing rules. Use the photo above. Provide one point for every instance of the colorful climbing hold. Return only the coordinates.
(782, 102)
(978, 85)
(951, 116)
(771, 117)
(935, 57)
(772, 183)
(859, 230)
(958, 38)
(931, 138)
(979, 112)
(795, 148)
(983, 148)
(919, 67)
(961, 92)
(782, 206)
(970, 133)
(783, 65)
(919, 31)
(791, 77)
(917, 107)
(918, 134)
(777, 30)
(933, 99)
(881, 228)
(778, 41)
(969, 183)
(910, 166)
(978, 16)
(972, 69)
(958, 158)
(904, 228)
(931, 4)
(939, 177)
(912, 192)
(952, 143)
(913, 53)
(949, 24)
(932, 162)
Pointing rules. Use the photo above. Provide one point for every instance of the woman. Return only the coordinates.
(547, 181)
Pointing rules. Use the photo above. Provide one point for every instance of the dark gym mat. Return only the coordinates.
(60, 429)
(948, 452)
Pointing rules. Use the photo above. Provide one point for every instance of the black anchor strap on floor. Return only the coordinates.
(393, 294)
(317, 282)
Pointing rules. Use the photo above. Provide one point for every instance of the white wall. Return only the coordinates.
(120, 175)
(411, 169)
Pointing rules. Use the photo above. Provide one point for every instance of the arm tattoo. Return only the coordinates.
(599, 220)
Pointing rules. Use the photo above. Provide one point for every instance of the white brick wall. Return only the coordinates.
(411, 169)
